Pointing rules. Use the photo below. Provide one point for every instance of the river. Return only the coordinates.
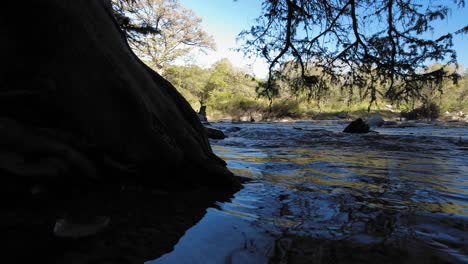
(396, 195)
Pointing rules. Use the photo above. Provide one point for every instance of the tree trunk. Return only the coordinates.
(202, 112)
(75, 101)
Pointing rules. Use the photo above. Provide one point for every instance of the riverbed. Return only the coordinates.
(317, 195)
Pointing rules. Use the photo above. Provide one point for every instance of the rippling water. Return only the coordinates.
(323, 196)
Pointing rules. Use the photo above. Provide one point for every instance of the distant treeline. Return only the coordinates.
(229, 92)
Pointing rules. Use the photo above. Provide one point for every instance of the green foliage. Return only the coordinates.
(286, 108)
(191, 81)
(230, 92)
(379, 47)
(235, 105)
(218, 87)
(429, 110)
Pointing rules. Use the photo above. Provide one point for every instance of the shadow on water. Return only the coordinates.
(322, 196)
(145, 222)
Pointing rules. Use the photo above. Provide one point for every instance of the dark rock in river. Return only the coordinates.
(214, 133)
(357, 126)
(233, 129)
(202, 113)
(390, 123)
(342, 115)
(202, 116)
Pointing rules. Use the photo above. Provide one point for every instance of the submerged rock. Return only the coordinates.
(214, 133)
(357, 126)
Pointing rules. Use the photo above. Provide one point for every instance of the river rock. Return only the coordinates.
(233, 129)
(375, 121)
(357, 126)
(342, 115)
(390, 124)
(214, 133)
(202, 113)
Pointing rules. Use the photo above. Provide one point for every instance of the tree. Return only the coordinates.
(353, 40)
(88, 107)
(161, 31)
(85, 119)
(195, 82)
(190, 81)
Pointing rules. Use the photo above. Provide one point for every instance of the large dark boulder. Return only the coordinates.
(80, 89)
(88, 130)
(357, 126)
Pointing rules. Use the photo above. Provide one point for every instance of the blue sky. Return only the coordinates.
(225, 19)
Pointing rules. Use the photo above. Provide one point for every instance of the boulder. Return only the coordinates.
(233, 129)
(375, 121)
(202, 113)
(390, 123)
(342, 115)
(93, 118)
(357, 126)
(214, 133)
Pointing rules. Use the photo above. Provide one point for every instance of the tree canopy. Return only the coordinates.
(161, 31)
(363, 44)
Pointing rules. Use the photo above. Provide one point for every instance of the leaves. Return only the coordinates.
(375, 43)
(161, 31)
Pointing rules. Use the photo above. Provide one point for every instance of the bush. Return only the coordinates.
(429, 110)
(286, 108)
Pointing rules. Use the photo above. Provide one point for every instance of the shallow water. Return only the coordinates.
(323, 196)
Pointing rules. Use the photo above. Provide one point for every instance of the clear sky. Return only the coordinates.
(225, 19)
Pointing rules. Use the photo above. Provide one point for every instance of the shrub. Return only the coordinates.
(429, 110)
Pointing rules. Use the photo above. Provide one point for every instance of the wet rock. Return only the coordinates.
(68, 228)
(202, 113)
(375, 121)
(342, 115)
(203, 120)
(202, 116)
(214, 133)
(390, 123)
(357, 126)
(233, 129)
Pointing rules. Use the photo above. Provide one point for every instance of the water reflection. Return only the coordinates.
(399, 192)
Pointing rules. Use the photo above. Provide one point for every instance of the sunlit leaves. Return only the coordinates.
(161, 31)
(376, 43)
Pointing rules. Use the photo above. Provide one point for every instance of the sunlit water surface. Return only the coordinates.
(316, 190)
